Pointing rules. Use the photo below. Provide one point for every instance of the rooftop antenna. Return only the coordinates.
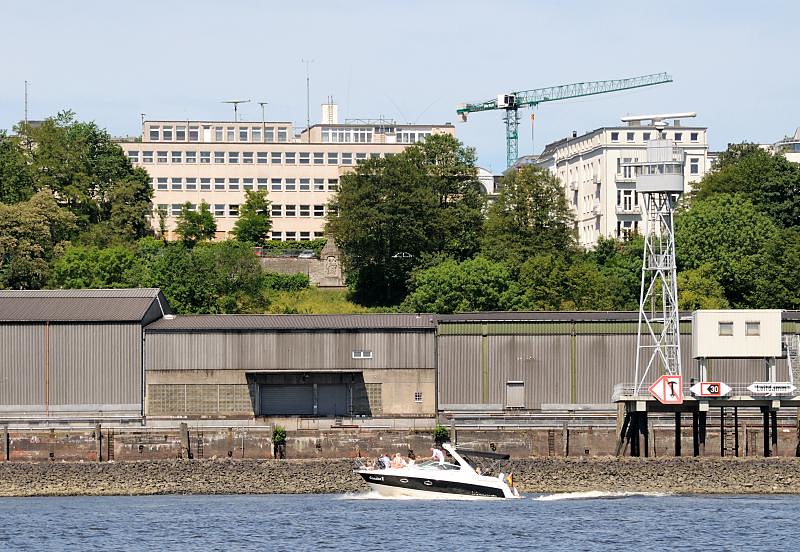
(308, 96)
(142, 115)
(235, 107)
(263, 121)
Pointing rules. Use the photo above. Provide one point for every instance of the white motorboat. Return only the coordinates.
(434, 479)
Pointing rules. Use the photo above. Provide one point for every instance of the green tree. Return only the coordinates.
(473, 285)
(529, 217)
(554, 281)
(31, 233)
(392, 213)
(16, 181)
(620, 263)
(89, 173)
(698, 289)
(195, 225)
(729, 235)
(95, 267)
(254, 222)
(769, 181)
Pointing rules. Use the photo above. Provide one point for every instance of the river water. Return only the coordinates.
(575, 522)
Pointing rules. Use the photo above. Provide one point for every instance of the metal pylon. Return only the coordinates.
(658, 346)
(512, 135)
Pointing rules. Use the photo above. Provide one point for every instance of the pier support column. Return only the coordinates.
(677, 434)
(736, 431)
(633, 434)
(774, 422)
(623, 434)
(722, 431)
(645, 429)
(702, 418)
(695, 433)
(765, 429)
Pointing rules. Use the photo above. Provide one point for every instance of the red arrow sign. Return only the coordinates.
(668, 389)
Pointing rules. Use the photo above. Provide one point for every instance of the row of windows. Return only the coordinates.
(232, 210)
(177, 184)
(147, 157)
(364, 136)
(675, 136)
(250, 134)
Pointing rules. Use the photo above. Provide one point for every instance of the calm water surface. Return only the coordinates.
(587, 521)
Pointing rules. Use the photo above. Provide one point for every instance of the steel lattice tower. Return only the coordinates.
(659, 180)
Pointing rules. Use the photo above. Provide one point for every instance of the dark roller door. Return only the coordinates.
(287, 400)
(332, 400)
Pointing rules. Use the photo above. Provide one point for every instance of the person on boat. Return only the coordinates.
(437, 455)
(387, 463)
(397, 461)
(412, 458)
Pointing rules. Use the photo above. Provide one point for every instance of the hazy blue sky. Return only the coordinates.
(735, 63)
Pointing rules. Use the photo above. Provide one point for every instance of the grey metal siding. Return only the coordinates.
(287, 351)
(22, 349)
(459, 369)
(742, 371)
(95, 364)
(542, 362)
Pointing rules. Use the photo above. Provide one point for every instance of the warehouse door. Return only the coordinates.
(287, 400)
(332, 400)
(515, 394)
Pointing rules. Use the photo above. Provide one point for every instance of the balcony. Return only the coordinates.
(623, 178)
(629, 210)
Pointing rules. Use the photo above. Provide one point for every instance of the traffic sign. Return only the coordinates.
(668, 389)
(771, 388)
(710, 389)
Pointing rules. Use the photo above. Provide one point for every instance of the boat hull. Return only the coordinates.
(400, 485)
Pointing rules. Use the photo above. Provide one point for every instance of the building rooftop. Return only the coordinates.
(294, 322)
(80, 305)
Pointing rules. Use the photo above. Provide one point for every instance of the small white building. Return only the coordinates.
(789, 147)
(599, 188)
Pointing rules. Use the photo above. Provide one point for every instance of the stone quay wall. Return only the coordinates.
(197, 442)
(531, 476)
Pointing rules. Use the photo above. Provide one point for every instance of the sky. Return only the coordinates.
(734, 63)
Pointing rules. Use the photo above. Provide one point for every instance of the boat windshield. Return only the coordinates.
(434, 465)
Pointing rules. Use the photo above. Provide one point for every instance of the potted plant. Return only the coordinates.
(279, 442)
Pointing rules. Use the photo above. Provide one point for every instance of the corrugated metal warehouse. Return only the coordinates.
(121, 355)
(282, 365)
(74, 354)
(513, 360)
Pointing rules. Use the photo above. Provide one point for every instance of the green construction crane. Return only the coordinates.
(512, 101)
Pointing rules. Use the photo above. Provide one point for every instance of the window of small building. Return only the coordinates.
(726, 328)
(361, 354)
(418, 396)
(752, 328)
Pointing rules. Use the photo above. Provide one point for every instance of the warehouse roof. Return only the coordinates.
(236, 322)
(566, 316)
(82, 305)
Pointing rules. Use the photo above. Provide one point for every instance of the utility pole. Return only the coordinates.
(142, 116)
(308, 99)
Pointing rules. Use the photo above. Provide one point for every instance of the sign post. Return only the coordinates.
(772, 388)
(668, 389)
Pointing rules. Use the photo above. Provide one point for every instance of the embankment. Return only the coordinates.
(534, 475)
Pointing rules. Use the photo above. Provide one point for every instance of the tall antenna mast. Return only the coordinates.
(26, 103)
(235, 107)
(308, 100)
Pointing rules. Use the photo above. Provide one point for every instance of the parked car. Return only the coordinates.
(307, 254)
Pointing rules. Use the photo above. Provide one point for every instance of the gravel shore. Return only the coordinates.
(535, 475)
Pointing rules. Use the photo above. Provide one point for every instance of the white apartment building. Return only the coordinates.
(600, 190)
(217, 161)
(789, 147)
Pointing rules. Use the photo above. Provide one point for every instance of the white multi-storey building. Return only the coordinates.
(599, 188)
(789, 147)
(217, 161)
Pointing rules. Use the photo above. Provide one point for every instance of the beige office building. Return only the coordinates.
(217, 161)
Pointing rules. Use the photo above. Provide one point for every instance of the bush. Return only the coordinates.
(278, 435)
(284, 282)
(441, 434)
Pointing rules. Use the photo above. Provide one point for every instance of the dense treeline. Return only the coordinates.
(736, 235)
(415, 230)
(74, 213)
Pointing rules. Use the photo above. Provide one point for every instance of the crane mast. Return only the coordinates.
(512, 102)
